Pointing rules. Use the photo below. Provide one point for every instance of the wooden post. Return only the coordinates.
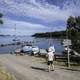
(68, 56)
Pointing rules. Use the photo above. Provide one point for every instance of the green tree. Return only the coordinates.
(77, 23)
(71, 23)
(73, 30)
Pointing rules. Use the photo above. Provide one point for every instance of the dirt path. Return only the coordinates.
(31, 68)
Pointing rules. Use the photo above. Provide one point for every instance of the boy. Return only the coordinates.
(50, 57)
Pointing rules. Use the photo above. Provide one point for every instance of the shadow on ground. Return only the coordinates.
(38, 68)
(71, 69)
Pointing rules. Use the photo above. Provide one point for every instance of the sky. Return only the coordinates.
(35, 16)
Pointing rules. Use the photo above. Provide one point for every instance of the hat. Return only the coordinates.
(49, 49)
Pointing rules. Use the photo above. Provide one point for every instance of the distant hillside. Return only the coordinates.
(56, 34)
(4, 35)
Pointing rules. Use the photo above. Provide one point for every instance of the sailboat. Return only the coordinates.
(51, 47)
(15, 37)
(43, 52)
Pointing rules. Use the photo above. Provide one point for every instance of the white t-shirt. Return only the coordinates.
(50, 56)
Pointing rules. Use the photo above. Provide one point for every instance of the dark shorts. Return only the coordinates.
(50, 62)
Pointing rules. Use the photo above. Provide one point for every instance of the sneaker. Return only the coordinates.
(52, 70)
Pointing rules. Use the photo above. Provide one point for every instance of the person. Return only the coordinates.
(50, 57)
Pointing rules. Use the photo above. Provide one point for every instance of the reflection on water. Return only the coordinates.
(40, 42)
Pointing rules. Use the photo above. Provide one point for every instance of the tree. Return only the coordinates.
(77, 23)
(73, 27)
(1, 15)
(71, 23)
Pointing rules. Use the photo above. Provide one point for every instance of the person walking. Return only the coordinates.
(50, 58)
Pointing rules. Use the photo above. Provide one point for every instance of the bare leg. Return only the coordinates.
(49, 68)
(52, 67)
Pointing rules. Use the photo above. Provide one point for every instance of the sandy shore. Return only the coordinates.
(31, 68)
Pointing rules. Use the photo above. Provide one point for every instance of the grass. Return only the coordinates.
(4, 75)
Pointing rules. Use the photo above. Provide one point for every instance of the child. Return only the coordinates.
(50, 57)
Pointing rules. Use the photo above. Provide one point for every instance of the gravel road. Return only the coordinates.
(33, 68)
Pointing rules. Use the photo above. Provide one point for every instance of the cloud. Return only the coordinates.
(22, 27)
(32, 16)
(34, 9)
(25, 28)
(46, 12)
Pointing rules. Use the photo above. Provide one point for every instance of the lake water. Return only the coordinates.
(40, 42)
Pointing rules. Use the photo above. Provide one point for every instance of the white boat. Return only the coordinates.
(31, 49)
(16, 39)
(27, 48)
(43, 52)
(35, 50)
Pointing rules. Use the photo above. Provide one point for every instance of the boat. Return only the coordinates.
(16, 40)
(35, 50)
(30, 49)
(51, 46)
(43, 52)
(27, 48)
(15, 37)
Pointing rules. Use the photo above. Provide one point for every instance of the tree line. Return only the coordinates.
(56, 34)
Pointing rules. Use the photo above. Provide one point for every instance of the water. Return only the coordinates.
(40, 42)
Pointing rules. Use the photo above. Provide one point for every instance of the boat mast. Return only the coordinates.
(50, 35)
(14, 32)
